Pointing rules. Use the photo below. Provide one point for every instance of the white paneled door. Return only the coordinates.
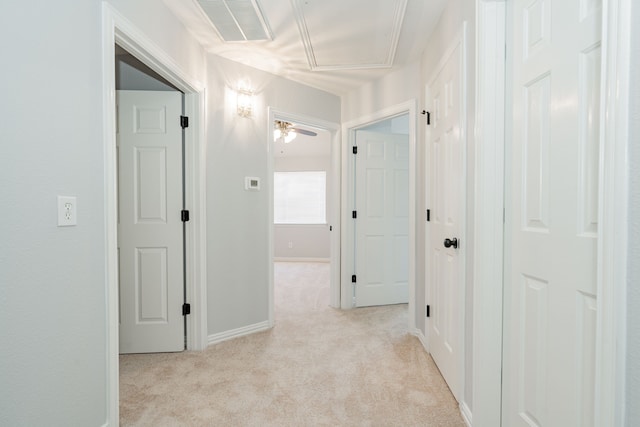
(445, 246)
(382, 223)
(550, 287)
(150, 239)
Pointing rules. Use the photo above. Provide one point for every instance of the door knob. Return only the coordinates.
(451, 242)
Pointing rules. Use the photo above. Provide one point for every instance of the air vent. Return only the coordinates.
(237, 20)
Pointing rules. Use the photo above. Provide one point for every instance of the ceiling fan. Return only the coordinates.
(288, 132)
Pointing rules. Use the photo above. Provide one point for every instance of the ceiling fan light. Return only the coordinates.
(277, 133)
(290, 136)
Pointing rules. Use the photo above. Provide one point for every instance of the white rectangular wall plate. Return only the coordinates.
(67, 211)
(251, 183)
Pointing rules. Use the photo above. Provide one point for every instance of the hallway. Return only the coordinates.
(317, 366)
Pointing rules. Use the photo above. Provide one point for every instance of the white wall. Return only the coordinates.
(238, 220)
(633, 290)
(52, 286)
(307, 241)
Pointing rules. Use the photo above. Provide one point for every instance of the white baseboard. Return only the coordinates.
(299, 259)
(423, 340)
(466, 413)
(239, 332)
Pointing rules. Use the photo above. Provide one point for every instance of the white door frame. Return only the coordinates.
(491, 84)
(334, 214)
(117, 29)
(349, 131)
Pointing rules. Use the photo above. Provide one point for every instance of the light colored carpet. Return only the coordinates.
(317, 367)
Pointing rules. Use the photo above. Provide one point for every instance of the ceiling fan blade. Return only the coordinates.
(304, 132)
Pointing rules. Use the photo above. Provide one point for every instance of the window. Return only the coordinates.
(300, 197)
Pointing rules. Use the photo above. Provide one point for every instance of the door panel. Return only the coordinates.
(550, 282)
(382, 226)
(150, 229)
(445, 169)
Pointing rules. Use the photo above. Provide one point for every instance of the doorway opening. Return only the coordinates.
(118, 31)
(381, 213)
(304, 197)
(348, 253)
(151, 230)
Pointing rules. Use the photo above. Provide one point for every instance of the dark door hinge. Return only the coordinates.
(184, 122)
(428, 215)
(354, 214)
(355, 149)
(186, 309)
(184, 215)
(331, 228)
(353, 278)
(428, 114)
(427, 311)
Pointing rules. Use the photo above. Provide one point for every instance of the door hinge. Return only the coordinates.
(428, 114)
(184, 215)
(428, 215)
(186, 309)
(354, 214)
(427, 311)
(184, 122)
(331, 228)
(353, 278)
(355, 149)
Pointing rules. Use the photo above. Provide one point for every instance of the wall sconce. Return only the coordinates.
(245, 102)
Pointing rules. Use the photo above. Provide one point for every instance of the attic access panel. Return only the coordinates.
(371, 27)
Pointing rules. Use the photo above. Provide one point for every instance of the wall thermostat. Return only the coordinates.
(251, 183)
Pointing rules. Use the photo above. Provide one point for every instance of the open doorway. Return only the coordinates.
(118, 31)
(304, 194)
(151, 233)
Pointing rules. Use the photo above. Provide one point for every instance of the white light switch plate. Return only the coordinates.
(67, 211)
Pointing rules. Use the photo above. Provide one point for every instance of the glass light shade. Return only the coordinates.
(289, 137)
(245, 101)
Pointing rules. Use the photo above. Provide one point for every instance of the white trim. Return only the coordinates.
(238, 332)
(416, 332)
(613, 211)
(300, 259)
(349, 131)
(117, 29)
(488, 226)
(334, 210)
(465, 412)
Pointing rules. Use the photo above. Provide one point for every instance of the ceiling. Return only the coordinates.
(333, 45)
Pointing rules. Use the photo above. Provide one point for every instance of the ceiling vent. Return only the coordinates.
(237, 20)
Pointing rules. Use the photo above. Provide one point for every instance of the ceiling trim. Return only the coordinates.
(398, 17)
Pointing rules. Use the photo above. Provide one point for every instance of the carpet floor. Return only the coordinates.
(318, 366)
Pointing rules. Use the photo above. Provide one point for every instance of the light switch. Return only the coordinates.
(67, 211)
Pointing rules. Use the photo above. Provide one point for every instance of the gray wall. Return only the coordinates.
(131, 74)
(53, 365)
(238, 220)
(633, 290)
(52, 280)
(308, 241)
